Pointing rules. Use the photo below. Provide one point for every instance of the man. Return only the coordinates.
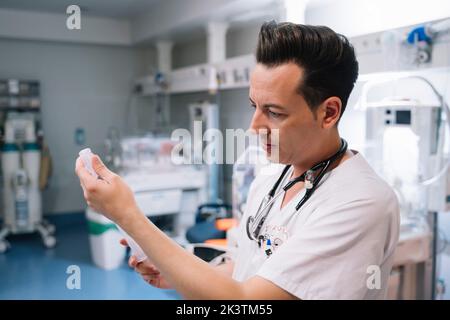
(339, 244)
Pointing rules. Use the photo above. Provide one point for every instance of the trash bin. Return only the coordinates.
(106, 251)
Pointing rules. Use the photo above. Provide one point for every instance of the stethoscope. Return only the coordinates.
(254, 224)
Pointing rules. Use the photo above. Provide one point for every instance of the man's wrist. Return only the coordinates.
(130, 217)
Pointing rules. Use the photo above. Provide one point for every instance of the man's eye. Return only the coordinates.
(274, 114)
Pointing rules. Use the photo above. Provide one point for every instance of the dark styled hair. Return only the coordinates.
(327, 59)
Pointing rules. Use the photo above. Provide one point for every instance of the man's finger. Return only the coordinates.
(85, 177)
(132, 262)
(146, 268)
(101, 169)
(156, 282)
(124, 242)
(148, 278)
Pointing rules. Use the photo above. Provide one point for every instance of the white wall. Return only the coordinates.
(52, 26)
(175, 17)
(81, 86)
(189, 53)
(357, 17)
(242, 41)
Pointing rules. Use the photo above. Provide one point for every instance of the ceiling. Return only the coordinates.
(118, 9)
(244, 12)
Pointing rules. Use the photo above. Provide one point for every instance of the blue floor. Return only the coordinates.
(29, 271)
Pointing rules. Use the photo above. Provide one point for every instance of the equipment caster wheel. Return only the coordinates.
(4, 246)
(51, 228)
(50, 242)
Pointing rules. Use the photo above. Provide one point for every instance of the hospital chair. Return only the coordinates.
(211, 222)
(208, 237)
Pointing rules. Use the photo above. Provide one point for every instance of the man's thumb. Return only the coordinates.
(100, 168)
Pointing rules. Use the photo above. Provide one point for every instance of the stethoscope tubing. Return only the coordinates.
(271, 197)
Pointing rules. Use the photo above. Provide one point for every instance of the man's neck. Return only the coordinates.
(326, 151)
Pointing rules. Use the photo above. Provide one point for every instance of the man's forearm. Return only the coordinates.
(226, 268)
(189, 275)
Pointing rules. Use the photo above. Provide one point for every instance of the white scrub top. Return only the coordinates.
(339, 245)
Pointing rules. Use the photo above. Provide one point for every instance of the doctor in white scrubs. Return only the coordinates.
(323, 226)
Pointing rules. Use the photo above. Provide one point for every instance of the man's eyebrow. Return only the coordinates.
(268, 105)
(272, 105)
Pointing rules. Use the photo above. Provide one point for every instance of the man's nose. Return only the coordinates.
(258, 121)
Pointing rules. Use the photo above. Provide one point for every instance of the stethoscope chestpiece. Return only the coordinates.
(309, 178)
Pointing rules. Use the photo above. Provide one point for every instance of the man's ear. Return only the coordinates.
(331, 111)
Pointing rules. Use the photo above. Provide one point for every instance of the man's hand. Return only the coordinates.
(109, 195)
(148, 271)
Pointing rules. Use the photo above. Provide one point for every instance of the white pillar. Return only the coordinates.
(217, 34)
(294, 11)
(216, 43)
(164, 51)
(164, 56)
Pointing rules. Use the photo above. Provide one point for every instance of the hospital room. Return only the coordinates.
(199, 149)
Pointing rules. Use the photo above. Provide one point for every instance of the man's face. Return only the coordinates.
(278, 105)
